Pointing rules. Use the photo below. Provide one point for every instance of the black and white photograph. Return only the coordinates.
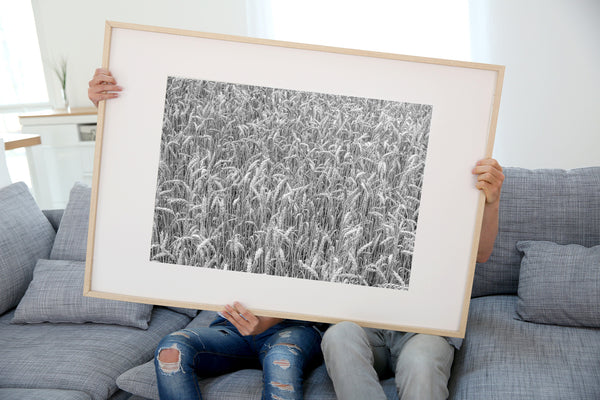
(289, 183)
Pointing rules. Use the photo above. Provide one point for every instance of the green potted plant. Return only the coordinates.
(61, 73)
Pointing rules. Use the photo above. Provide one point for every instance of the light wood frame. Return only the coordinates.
(465, 97)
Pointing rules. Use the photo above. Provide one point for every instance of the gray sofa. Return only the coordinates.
(89, 342)
(533, 330)
(534, 320)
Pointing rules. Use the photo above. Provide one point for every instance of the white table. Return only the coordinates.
(64, 156)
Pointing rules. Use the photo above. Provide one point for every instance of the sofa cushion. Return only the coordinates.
(71, 237)
(505, 358)
(82, 357)
(42, 394)
(25, 236)
(559, 285)
(56, 295)
(543, 205)
(242, 385)
(141, 381)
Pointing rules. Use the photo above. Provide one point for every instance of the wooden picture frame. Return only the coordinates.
(462, 100)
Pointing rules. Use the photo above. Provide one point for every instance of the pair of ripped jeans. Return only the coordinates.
(285, 352)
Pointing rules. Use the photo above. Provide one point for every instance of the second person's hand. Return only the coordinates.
(246, 322)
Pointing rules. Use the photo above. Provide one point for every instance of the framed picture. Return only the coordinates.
(306, 182)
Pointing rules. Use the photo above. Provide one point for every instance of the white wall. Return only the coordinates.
(74, 29)
(550, 108)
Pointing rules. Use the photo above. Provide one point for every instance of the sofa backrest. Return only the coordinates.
(546, 204)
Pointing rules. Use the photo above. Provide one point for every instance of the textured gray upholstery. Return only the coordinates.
(25, 236)
(71, 237)
(42, 394)
(80, 357)
(505, 358)
(56, 295)
(553, 205)
(54, 216)
(559, 284)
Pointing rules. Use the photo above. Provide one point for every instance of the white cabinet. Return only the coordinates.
(65, 156)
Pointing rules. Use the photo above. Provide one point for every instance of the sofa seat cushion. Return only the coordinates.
(42, 394)
(81, 357)
(506, 358)
(53, 394)
(242, 385)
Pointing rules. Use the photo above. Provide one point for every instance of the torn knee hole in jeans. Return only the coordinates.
(169, 367)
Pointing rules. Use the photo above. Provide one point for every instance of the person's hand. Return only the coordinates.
(103, 86)
(246, 322)
(489, 179)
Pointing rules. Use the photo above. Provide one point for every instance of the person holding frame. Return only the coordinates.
(356, 358)
(236, 339)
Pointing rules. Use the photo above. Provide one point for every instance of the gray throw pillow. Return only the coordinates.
(56, 295)
(559, 284)
(71, 237)
(25, 236)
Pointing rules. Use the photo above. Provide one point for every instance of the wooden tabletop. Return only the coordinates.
(60, 112)
(18, 140)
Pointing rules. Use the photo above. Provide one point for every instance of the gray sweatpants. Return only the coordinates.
(356, 358)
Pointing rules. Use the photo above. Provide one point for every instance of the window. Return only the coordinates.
(22, 83)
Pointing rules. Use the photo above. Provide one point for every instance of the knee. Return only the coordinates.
(415, 367)
(423, 368)
(168, 353)
(342, 333)
(341, 338)
(168, 361)
(425, 359)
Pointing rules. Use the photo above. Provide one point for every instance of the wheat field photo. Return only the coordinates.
(289, 183)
